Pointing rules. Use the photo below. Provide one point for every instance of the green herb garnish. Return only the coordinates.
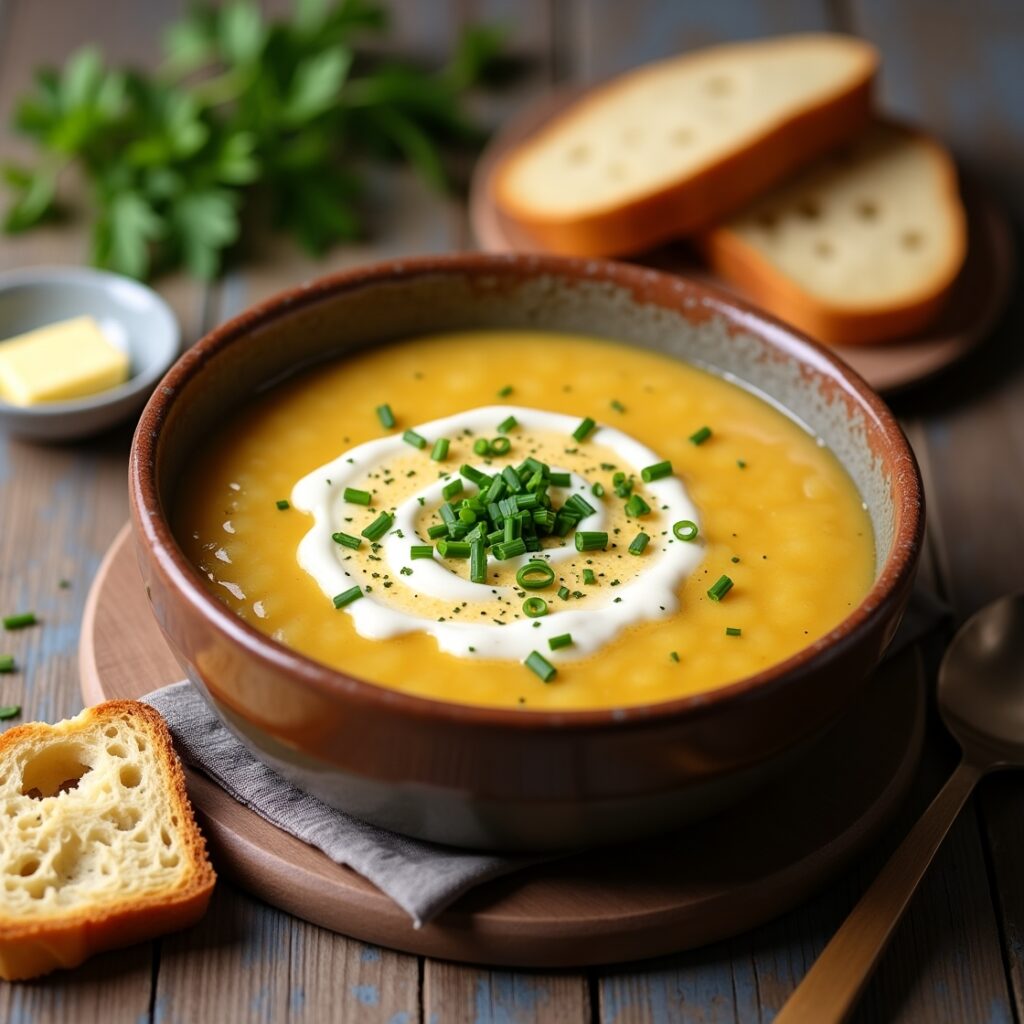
(378, 527)
(537, 663)
(720, 588)
(9, 711)
(386, 416)
(685, 529)
(357, 497)
(7, 663)
(347, 597)
(656, 472)
(639, 542)
(440, 450)
(558, 642)
(416, 440)
(700, 436)
(583, 430)
(282, 504)
(535, 607)
(20, 621)
(346, 540)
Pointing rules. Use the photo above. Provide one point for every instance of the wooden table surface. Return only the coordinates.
(955, 68)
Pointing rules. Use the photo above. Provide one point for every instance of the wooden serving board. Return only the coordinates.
(978, 299)
(711, 881)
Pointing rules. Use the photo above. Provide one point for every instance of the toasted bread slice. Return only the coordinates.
(674, 147)
(98, 844)
(861, 247)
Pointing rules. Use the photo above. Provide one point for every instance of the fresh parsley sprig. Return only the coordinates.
(241, 108)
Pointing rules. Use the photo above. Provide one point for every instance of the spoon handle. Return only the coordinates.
(831, 987)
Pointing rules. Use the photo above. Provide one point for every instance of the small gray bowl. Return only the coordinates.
(133, 316)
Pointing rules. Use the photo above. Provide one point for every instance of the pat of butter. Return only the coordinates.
(69, 359)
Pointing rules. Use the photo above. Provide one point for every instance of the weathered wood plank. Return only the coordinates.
(456, 994)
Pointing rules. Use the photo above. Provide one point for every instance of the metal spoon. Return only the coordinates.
(981, 700)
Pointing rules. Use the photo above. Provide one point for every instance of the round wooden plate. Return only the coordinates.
(713, 880)
(978, 299)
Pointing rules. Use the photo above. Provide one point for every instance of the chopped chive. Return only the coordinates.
(447, 548)
(597, 490)
(20, 621)
(346, 540)
(584, 429)
(437, 530)
(6, 662)
(421, 551)
(591, 540)
(474, 475)
(560, 479)
(509, 549)
(580, 506)
(66, 584)
(640, 541)
(557, 642)
(507, 424)
(348, 596)
(617, 405)
(386, 416)
(416, 440)
(501, 445)
(588, 577)
(656, 472)
(540, 665)
(478, 562)
(700, 436)
(720, 588)
(512, 481)
(636, 506)
(356, 497)
(535, 576)
(685, 529)
(282, 504)
(535, 607)
(735, 558)
(378, 527)
(674, 655)
(440, 450)
(505, 391)
(467, 516)
(741, 464)
(452, 488)
(482, 446)
(13, 710)
(563, 593)
(733, 631)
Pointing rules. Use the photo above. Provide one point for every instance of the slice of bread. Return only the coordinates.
(98, 844)
(674, 147)
(861, 247)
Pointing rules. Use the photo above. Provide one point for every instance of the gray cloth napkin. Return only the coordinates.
(422, 878)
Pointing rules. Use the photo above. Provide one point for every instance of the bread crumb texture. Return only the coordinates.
(98, 844)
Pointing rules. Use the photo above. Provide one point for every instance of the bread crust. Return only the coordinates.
(698, 200)
(67, 937)
(740, 263)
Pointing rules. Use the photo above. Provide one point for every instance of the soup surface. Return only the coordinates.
(691, 535)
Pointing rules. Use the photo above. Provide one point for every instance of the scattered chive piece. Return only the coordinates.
(685, 529)
(617, 405)
(585, 427)
(356, 497)
(348, 596)
(478, 562)
(565, 640)
(474, 475)
(733, 631)
(597, 490)
(735, 558)
(282, 504)
(20, 621)
(6, 662)
(482, 446)
(674, 655)
(720, 588)
(454, 548)
(701, 435)
(656, 472)
(501, 445)
(440, 450)
(588, 577)
(563, 593)
(437, 530)
(636, 506)
(741, 464)
(591, 540)
(537, 663)
(535, 576)
(507, 424)
(505, 391)
(416, 440)
(452, 488)
(640, 541)
(346, 540)
(379, 526)
(13, 710)
(535, 607)
(560, 479)
(421, 551)
(386, 416)
(64, 584)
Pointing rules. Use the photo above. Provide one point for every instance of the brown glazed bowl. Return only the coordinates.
(496, 778)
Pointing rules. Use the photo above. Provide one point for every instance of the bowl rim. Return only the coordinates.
(151, 522)
(52, 275)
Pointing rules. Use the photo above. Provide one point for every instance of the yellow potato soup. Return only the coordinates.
(550, 580)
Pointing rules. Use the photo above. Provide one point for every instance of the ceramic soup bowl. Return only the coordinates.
(517, 779)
